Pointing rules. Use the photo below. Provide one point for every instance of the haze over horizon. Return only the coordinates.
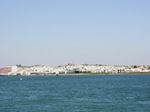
(82, 31)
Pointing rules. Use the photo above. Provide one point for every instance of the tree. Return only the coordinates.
(134, 66)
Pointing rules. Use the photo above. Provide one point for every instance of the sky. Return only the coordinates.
(54, 32)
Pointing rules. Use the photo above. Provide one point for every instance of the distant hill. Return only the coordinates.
(5, 70)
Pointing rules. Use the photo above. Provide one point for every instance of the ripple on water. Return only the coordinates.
(144, 102)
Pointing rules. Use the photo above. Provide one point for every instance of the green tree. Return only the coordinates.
(134, 66)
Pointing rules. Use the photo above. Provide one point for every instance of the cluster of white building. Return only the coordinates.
(74, 68)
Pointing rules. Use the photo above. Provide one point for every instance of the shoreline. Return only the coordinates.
(74, 69)
(85, 74)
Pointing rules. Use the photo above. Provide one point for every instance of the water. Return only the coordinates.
(75, 94)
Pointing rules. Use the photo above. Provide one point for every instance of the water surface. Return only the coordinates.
(75, 93)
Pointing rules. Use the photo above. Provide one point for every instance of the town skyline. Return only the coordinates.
(55, 65)
(72, 69)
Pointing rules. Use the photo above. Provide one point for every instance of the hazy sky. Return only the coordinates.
(55, 32)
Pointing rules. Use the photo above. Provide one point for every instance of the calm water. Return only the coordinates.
(75, 94)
